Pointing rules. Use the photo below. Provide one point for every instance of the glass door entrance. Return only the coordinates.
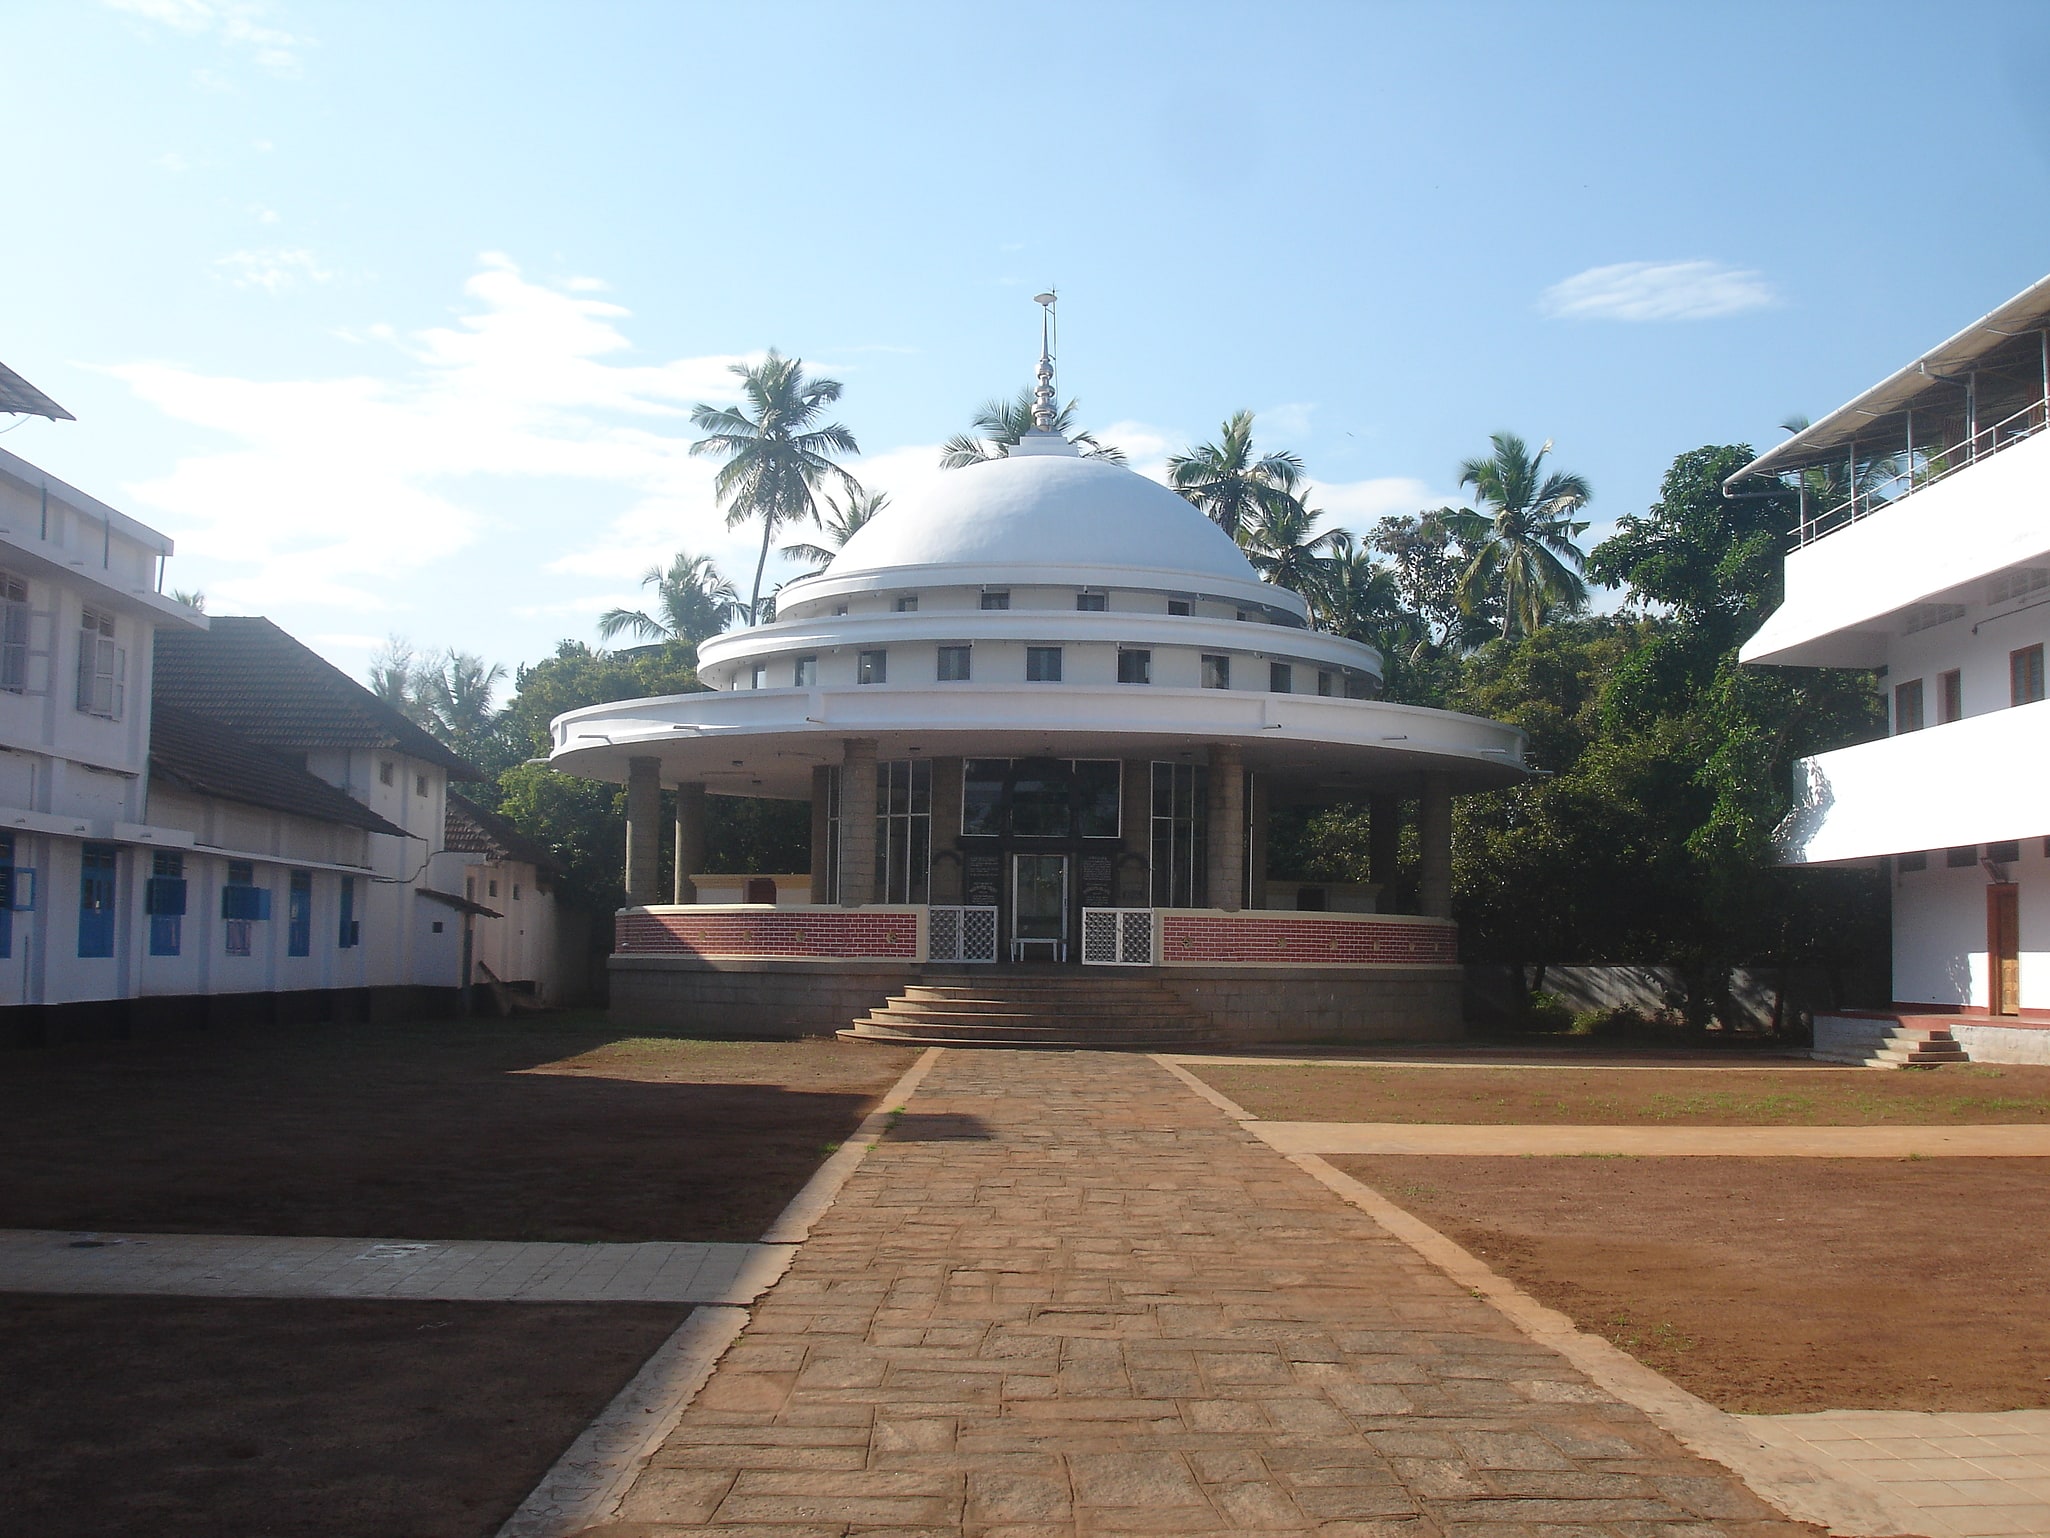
(1039, 907)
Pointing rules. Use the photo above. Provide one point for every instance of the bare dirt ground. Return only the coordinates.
(203, 1418)
(206, 1418)
(1724, 1095)
(1773, 1285)
(555, 1129)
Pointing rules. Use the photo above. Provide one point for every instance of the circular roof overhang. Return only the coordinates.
(766, 742)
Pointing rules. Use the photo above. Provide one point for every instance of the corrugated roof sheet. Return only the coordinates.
(2025, 312)
(209, 759)
(17, 394)
(468, 829)
(247, 673)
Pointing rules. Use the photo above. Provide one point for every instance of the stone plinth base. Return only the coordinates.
(1247, 1006)
(1325, 1005)
(751, 998)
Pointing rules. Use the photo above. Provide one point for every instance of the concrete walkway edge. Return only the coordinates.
(1846, 1505)
(587, 1483)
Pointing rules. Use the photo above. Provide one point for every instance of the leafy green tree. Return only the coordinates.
(1231, 482)
(1524, 548)
(1427, 562)
(1001, 424)
(693, 602)
(778, 452)
(843, 520)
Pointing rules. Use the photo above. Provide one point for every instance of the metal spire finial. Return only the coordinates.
(1045, 411)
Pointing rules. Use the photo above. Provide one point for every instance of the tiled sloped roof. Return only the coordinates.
(252, 676)
(469, 829)
(17, 394)
(209, 759)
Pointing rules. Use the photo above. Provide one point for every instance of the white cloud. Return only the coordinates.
(173, 162)
(1657, 291)
(1357, 504)
(1289, 421)
(357, 492)
(239, 24)
(272, 269)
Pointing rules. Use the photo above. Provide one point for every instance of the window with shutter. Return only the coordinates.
(14, 631)
(102, 665)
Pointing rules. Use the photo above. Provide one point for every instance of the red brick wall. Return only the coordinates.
(796, 934)
(1298, 940)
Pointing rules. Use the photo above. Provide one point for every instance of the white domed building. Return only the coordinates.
(1041, 714)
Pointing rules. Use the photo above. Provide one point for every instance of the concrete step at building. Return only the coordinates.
(1893, 1044)
(1037, 1011)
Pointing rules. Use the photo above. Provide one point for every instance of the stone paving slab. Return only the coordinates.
(1329, 1137)
(1790, 1062)
(1969, 1475)
(1066, 1297)
(253, 1266)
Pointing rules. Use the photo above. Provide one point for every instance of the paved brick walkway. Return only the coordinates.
(1068, 1297)
(459, 1270)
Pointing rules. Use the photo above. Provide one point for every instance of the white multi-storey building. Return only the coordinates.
(201, 820)
(1924, 553)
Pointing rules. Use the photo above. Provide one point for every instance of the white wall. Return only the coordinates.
(1939, 932)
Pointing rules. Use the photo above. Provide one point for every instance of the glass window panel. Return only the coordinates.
(1216, 671)
(1092, 603)
(1040, 799)
(1097, 784)
(1135, 665)
(954, 664)
(1043, 664)
(996, 600)
(982, 795)
(921, 787)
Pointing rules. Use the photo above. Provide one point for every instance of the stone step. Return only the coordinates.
(1013, 1016)
(1166, 1008)
(1060, 1040)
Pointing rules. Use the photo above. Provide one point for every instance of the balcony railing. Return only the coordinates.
(1890, 478)
(1117, 937)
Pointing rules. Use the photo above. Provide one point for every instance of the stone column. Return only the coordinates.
(821, 835)
(1256, 828)
(1384, 843)
(1226, 873)
(1135, 832)
(946, 831)
(690, 839)
(643, 831)
(857, 822)
(1434, 834)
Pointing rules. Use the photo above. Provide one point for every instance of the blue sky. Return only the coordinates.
(392, 315)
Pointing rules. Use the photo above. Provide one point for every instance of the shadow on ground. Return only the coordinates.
(559, 1131)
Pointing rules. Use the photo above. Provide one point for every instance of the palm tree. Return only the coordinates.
(195, 600)
(1000, 424)
(1524, 545)
(1228, 481)
(692, 601)
(1281, 542)
(842, 522)
(454, 697)
(776, 459)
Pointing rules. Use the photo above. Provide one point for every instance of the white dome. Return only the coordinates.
(1041, 512)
